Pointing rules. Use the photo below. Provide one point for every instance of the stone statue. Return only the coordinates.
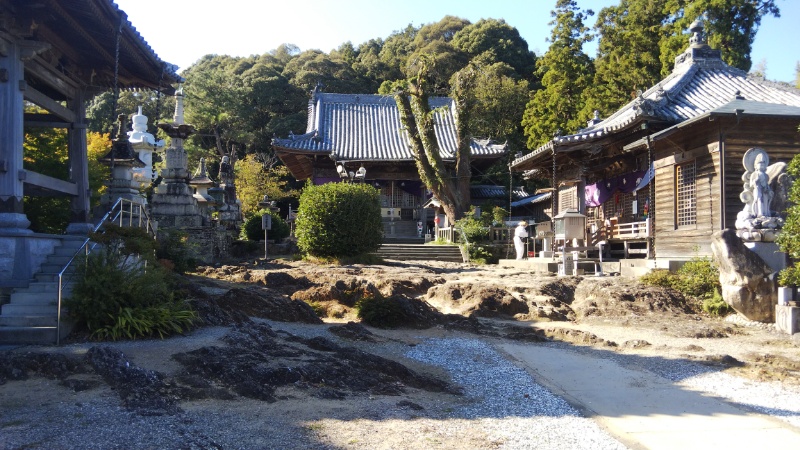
(756, 221)
(759, 181)
(226, 171)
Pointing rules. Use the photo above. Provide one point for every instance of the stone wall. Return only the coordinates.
(210, 244)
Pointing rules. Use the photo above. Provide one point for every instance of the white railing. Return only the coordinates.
(135, 215)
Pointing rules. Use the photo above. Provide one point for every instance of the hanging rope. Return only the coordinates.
(115, 99)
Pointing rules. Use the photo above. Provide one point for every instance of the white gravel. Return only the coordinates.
(771, 398)
(506, 402)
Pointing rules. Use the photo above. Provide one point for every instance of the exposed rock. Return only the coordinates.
(621, 298)
(21, 366)
(267, 304)
(482, 300)
(141, 390)
(353, 331)
(748, 284)
(577, 337)
(636, 343)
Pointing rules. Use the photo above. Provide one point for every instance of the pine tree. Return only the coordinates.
(566, 71)
(628, 54)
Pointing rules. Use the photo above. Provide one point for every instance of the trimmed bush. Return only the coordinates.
(339, 220)
(251, 230)
(698, 278)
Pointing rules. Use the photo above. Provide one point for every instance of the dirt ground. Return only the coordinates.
(288, 378)
(613, 312)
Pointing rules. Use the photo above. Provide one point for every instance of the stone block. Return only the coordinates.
(787, 319)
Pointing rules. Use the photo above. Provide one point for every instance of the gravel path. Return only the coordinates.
(505, 401)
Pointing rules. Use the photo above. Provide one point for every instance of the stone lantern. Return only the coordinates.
(201, 184)
(568, 225)
(122, 159)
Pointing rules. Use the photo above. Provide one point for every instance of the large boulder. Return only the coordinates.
(748, 284)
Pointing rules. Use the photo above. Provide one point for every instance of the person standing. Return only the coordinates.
(519, 233)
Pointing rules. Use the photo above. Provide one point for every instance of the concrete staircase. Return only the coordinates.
(409, 252)
(32, 314)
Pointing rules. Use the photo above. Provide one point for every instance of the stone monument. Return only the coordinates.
(230, 211)
(201, 183)
(122, 159)
(173, 205)
(145, 144)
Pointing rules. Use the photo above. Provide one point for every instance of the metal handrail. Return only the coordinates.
(148, 226)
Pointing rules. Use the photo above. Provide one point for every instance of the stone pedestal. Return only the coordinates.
(770, 253)
(787, 319)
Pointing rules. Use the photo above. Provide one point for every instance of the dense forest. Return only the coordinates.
(238, 104)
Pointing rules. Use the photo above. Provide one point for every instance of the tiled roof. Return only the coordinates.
(538, 198)
(742, 108)
(487, 191)
(367, 128)
(697, 85)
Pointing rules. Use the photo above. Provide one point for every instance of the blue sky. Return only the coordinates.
(182, 31)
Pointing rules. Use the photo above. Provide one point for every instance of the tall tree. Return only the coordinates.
(496, 41)
(449, 185)
(566, 71)
(731, 26)
(628, 57)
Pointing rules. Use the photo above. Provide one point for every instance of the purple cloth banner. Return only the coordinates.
(598, 193)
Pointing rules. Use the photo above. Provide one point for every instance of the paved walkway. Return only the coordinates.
(645, 411)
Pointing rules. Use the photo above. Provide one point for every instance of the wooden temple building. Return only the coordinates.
(57, 55)
(660, 175)
(360, 138)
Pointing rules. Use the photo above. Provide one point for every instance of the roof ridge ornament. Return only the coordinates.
(697, 29)
(699, 52)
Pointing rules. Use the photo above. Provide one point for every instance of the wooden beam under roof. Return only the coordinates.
(49, 104)
(55, 6)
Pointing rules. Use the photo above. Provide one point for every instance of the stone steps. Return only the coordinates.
(31, 316)
(407, 252)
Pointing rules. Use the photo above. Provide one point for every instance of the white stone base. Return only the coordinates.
(770, 253)
(787, 319)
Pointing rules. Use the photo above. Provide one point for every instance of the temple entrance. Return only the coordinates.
(401, 207)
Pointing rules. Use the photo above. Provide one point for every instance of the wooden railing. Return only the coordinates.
(619, 231)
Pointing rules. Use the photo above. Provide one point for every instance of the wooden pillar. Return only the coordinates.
(12, 85)
(79, 167)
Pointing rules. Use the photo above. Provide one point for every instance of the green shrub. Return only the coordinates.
(697, 278)
(483, 254)
(379, 311)
(251, 230)
(790, 276)
(474, 229)
(716, 306)
(339, 220)
(122, 288)
(659, 277)
(789, 238)
(173, 246)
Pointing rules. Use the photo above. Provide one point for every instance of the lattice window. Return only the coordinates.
(685, 194)
(567, 198)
